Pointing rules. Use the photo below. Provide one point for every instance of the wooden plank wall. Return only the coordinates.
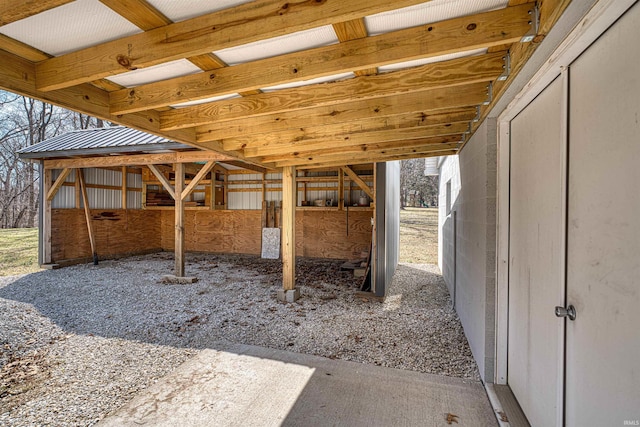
(319, 234)
(323, 234)
(216, 231)
(117, 232)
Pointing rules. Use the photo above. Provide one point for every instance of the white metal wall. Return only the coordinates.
(99, 198)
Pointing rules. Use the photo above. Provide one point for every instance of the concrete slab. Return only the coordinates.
(290, 295)
(240, 385)
(271, 243)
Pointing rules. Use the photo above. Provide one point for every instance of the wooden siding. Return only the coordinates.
(117, 232)
(319, 234)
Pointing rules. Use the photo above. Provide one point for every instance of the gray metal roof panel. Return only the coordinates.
(99, 141)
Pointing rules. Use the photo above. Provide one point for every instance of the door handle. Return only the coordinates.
(569, 312)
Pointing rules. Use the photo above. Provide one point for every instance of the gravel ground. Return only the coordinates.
(77, 343)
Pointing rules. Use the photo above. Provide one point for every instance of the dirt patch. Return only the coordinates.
(419, 235)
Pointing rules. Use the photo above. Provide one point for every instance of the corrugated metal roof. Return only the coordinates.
(99, 141)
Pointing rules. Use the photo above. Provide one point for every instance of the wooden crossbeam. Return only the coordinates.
(359, 182)
(17, 75)
(206, 168)
(324, 164)
(352, 30)
(353, 139)
(12, 10)
(452, 36)
(315, 133)
(369, 156)
(483, 68)
(246, 166)
(56, 185)
(135, 159)
(415, 102)
(363, 149)
(225, 28)
(269, 128)
(145, 16)
(164, 181)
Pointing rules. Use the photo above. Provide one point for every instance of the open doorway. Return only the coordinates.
(418, 212)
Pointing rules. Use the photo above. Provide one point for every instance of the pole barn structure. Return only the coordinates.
(535, 103)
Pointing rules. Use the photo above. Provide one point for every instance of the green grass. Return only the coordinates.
(419, 235)
(18, 251)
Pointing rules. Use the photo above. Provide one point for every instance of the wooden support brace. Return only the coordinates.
(340, 189)
(87, 214)
(56, 185)
(164, 181)
(196, 180)
(355, 178)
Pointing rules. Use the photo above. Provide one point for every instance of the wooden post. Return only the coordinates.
(288, 233)
(124, 187)
(340, 189)
(78, 192)
(46, 218)
(87, 215)
(179, 220)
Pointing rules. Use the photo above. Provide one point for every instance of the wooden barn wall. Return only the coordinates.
(117, 232)
(319, 234)
(323, 234)
(216, 231)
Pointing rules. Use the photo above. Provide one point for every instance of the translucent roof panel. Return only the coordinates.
(417, 62)
(70, 27)
(167, 70)
(177, 10)
(426, 13)
(206, 100)
(324, 79)
(302, 40)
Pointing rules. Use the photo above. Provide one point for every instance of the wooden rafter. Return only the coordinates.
(352, 30)
(226, 28)
(446, 37)
(436, 143)
(455, 72)
(272, 127)
(370, 156)
(414, 102)
(354, 139)
(12, 10)
(332, 163)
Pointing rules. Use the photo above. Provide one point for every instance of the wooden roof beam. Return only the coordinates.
(323, 162)
(12, 10)
(483, 68)
(274, 127)
(449, 142)
(446, 37)
(350, 140)
(426, 102)
(308, 134)
(353, 30)
(222, 29)
(146, 17)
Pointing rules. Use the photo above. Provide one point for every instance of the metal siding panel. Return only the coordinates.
(134, 200)
(65, 198)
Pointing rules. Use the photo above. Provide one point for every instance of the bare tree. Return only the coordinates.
(416, 189)
(25, 122)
